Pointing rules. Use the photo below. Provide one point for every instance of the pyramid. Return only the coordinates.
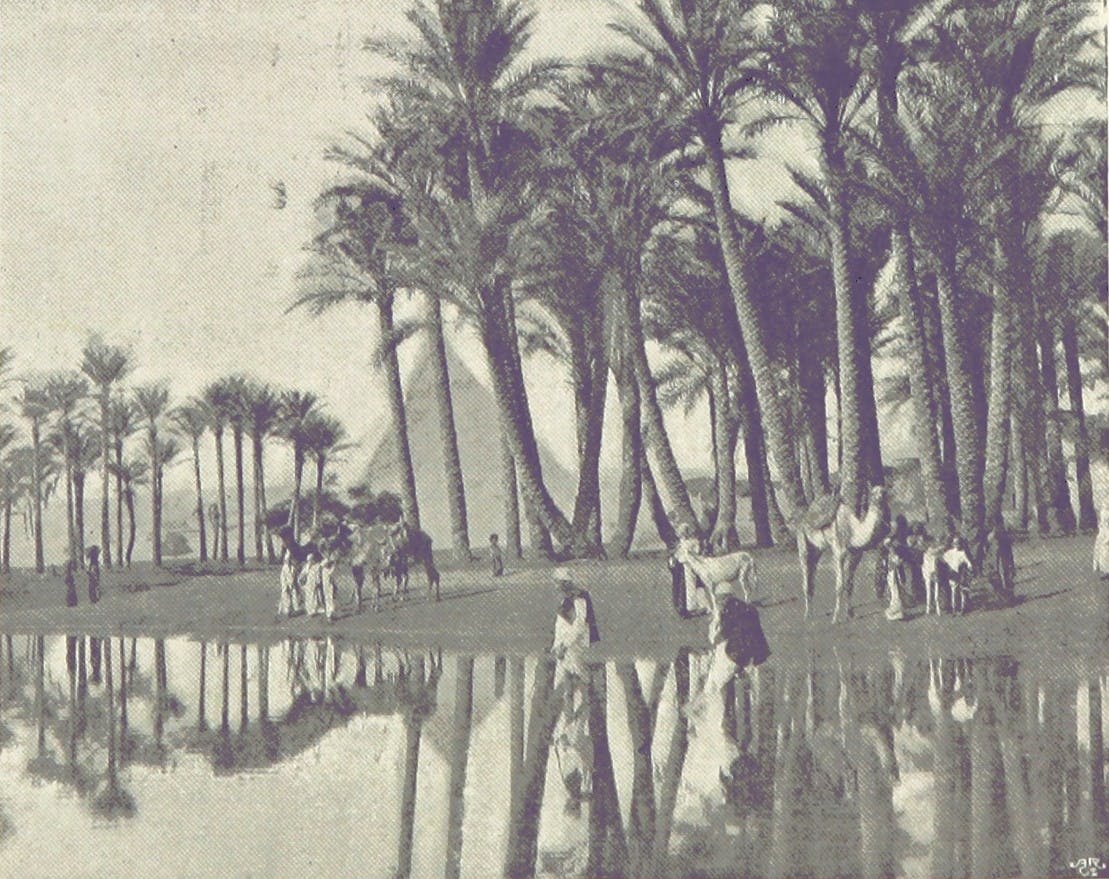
(479, 449)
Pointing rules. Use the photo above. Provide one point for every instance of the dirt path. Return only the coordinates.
(1062, 617)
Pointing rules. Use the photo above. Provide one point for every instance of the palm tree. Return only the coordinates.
(472, 101)
(297, 410)
(700, 55)
(814, 68)
(9, 493)
(64, 394)
(152, 401)
(105, 365)
(192, 420)
(324, 438)
(217, 402)
(366, 224)
(34, 406)
(123, 421)
(168, 450)
(263, 411)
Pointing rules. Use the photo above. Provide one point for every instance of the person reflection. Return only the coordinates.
(575, 630)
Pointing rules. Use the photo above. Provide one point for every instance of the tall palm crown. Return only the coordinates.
(106, 366)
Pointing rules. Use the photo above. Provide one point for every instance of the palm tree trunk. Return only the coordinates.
(668, 477)
(71, 539)
(298, 478)
(814, 414)
(725, 537)
(1087, 512)
(1057, 468)
(155, 498)
(653, 502)
(998, 442)
(921, 370)
(105, 515)
(413, 729)
(968, 457)
(79, 512)
(754, 451)
(460, 746)
(779, 441)
(499, 340)
(631, 445)
(36, 499)
(203, 536)
(129, 499)
(240, 546)
(591, 390)
(1019, 468)
(448, 436)
(6, 546)
(317, 499)
(511, 501)
(409, 503)
(256, 499)
(1030, 393)
(260, 463)
(118, 443)
(861, 456)
(221, 535)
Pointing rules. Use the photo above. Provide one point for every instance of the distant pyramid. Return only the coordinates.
(479, 448)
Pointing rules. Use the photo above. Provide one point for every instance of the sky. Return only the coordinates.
(139, 145)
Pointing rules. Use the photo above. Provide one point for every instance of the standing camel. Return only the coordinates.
(831, 524)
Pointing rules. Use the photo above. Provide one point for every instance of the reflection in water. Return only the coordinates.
(932, 768)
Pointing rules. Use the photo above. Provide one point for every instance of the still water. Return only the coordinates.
(152, 758)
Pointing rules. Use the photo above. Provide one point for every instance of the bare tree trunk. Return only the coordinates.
(118, 443)
(221, 535)
(6, 546)
(591, 390)
(997, 430)
(509, 489)
(240, 499)
(1057, 468)
(631, 445)
(79, 512)
(755, 456)
(448, 434)
(1019, 471)
(964, 416)
(105, 444)
(36, 499)
(256, 500)
(260, 463)
(1087, 512)
(653, 502)
(725, 537)
(409, 503)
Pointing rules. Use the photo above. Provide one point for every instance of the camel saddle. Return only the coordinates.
(822, 511)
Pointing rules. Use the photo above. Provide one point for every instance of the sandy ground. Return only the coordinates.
(1061, 618)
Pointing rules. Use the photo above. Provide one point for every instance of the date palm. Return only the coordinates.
(191, 419)
(700, 56)
(64, 393)
(235, 395)
(106, 366)
(85, 449)
(152, 402)
(33, 405)
(297, 411)
(461, 76)
(133, 473)
(264, 412)
(9, 493)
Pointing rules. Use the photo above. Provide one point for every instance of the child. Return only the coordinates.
(495, 557)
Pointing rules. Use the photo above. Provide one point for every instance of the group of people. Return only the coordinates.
(903, 568)
(92, 575)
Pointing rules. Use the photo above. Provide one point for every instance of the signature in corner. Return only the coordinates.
(1089, 867)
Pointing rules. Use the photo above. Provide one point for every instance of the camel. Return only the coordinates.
(831, 524)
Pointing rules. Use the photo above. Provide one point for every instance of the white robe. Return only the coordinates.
(1101, 544)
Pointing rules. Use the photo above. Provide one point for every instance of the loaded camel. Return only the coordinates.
(831, 524)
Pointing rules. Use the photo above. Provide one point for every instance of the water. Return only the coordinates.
(174, 758)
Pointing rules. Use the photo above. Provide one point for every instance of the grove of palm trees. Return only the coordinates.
(930, 278)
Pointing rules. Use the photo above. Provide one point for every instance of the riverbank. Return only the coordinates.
(1061, 616)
